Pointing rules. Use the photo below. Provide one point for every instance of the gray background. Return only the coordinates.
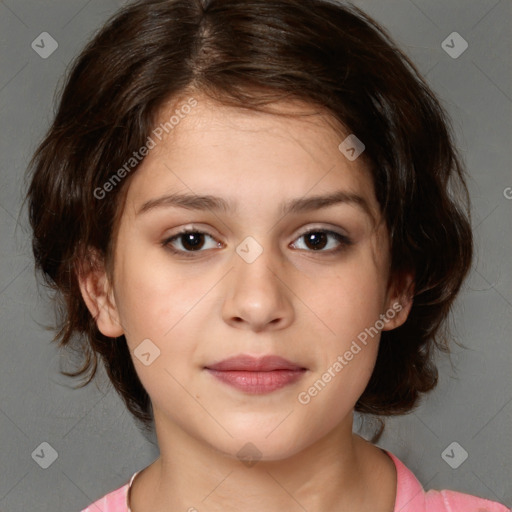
(97, 442)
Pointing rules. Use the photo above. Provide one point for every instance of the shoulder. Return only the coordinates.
(115, 501)
(411, 497)
(451, 501)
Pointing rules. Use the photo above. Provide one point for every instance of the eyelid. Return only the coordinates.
(324, 229)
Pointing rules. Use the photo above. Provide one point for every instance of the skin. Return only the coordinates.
(303, 304)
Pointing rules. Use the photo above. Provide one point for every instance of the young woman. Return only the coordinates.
(250, 212)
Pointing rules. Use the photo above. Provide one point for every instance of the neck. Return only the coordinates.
(340, 472)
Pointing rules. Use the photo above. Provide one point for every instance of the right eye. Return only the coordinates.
(189, 241)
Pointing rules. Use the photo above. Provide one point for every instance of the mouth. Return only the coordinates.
(256, 375)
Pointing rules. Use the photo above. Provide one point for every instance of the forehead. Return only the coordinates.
(211, 148)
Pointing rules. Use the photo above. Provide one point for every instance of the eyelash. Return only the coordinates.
(343, 240)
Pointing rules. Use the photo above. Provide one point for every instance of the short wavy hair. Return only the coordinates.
(250, 53)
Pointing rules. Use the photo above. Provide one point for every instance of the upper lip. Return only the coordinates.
(254, 364)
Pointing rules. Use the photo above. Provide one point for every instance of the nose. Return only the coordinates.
(257, 297)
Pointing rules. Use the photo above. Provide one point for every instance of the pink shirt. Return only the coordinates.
(410, 497)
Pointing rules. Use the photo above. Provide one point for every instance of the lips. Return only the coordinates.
(256, 375)
(254, 364)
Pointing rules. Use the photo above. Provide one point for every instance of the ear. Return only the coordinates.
(399, 301)
(99, 297)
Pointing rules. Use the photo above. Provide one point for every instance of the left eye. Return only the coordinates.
(318, 240)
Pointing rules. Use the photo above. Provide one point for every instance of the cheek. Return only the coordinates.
(151, 296)
(157, 310)
(347, 307)
(160, 304)
(344, 364)
(331, 393)
(346, 303)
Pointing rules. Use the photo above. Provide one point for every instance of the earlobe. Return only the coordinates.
(400, 303)
(98, 297)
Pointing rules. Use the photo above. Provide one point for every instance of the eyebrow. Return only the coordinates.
(214, 203)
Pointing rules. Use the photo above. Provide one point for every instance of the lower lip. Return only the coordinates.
(258, 382)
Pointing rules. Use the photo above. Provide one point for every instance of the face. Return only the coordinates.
(285, 255)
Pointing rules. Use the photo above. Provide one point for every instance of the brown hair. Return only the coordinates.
(249, 53)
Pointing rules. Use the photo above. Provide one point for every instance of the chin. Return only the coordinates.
(251, 445)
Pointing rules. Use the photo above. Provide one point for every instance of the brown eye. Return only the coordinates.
(192, 241)
(316, 241)
(319, 239)
(189, 241)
